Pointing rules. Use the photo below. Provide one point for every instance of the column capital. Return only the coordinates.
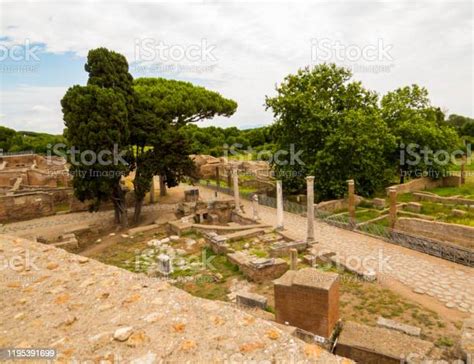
(310, 179)
(350, 181)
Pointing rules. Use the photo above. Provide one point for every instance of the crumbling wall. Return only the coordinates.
(426, 183)
(26, 206)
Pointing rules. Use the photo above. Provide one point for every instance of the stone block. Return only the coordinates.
(191, 195)
(379, 203)
(366, 344)
(308, 299)
(398, 326)
(251, 300)
(282, 248)
(142, 229)
(467, 340)
(413, 207)
(458, 213)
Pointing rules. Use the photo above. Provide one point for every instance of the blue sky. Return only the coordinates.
(240, 50)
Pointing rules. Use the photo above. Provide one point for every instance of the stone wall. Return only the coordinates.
(426, 183)
(336, 205)
(420, 196)
(453, 233)
(24, 206)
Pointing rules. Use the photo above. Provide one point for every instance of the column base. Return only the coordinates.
(280, 228)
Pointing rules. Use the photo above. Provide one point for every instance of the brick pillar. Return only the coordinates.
(310, 209)
(392, 217)
(463, 170)
(279, 195)
(235, 176)
(351, 202)
(308, 299)
(293, 259)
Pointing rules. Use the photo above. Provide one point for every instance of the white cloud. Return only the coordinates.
(23, 108)
(257, 45)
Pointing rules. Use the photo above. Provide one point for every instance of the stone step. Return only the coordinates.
(238, 235)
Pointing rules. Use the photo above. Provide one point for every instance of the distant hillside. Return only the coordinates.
(17, 141)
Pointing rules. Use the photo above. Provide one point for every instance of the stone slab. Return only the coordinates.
(398, 326)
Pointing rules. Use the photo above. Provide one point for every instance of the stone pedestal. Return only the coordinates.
(351, 202)
(279, 195)
(308, 299)
(310, 209)
(392, 216)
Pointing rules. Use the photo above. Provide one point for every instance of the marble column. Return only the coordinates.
(392, 216)
(235, 183)
(256, 216)
(279, 192)
(351, 202)
(310, 209)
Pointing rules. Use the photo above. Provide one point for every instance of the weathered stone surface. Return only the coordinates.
(251, 299)
(467, 340)
(169, 325)
(366, 344)
(394, 325)
(142, 229)
(413, 206)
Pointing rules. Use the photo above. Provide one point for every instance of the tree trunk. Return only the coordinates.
(162, 186)
(117, 213)
(121, 207)
(138, 210)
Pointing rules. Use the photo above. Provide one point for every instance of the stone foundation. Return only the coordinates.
(258, 270)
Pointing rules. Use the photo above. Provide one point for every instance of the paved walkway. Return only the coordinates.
(449, 283)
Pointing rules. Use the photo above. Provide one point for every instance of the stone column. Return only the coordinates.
(235, 183)
(218, 179)
(293, 259)
(256, 216)
(152, 190)
(351, 202)
(279, 192)
(392, 217)
(310, 209)
(463, 170)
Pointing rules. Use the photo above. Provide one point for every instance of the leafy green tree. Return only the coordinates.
(458, 121)
(6, 138)
(420, 131)
(163, 108)
(97, 120)
(309, 108)
(358, 149)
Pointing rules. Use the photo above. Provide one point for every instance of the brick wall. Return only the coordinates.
(26, 206)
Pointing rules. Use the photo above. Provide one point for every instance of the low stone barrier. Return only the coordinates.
(426, 183)
(420, 196)
(453, 233)
(24, 206)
